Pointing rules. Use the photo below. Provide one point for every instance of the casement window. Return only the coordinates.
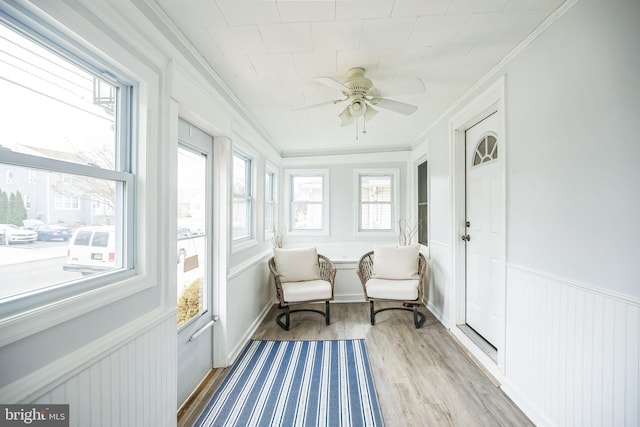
(66, 118)
(269, 203)
(309, 201)
(377, 208)
(242, 197)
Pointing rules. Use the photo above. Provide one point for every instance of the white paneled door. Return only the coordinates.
(194, 258)
(484, 228)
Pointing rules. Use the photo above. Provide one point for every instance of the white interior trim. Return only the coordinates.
(489, 101)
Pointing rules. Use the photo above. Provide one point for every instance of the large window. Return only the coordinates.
(65, 147)
(309, 205)
(242, 198)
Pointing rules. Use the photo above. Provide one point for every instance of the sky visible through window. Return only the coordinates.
(49, 106)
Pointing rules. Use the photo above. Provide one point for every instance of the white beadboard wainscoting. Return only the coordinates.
(572, 351)
(437, 291)
(126, 379)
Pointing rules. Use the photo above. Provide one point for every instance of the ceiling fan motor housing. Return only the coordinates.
(359, 86)
(357, 82)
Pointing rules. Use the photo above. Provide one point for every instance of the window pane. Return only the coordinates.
(375, 188)
(422, 224)
(375, 216)
(240, 218)
(191, 239)
(33, 256)
(239, 175)
(423, 205)
(73, 110)
(307, 188)
(268, 186)
(269, 224)
(422, 182)
(307, 216)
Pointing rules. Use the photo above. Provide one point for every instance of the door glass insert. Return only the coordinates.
(191, 238)
(486, 149)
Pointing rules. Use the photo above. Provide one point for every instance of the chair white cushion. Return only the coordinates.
(396, 262)
(402, 290)
(296, 265)
(308, 290)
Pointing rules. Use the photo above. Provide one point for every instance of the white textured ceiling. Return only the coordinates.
(268, 53)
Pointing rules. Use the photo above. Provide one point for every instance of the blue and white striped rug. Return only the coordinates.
(297, 383)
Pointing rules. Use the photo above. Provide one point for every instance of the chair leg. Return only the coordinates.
(288, 311)
(372, 313)
(327, 313)
(286, 315)
(418, 318)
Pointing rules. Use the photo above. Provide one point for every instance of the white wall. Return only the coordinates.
(573, 199)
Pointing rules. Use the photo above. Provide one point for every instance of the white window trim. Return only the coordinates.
(21, 317)
(326, 185)
(245, 242)
(395, 202)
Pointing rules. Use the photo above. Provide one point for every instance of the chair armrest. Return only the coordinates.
(327, 269)
(365, 267)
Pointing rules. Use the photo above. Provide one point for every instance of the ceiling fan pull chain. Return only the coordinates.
(356, 128)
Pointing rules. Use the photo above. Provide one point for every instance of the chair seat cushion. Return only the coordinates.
(308, 290)
(401, 290)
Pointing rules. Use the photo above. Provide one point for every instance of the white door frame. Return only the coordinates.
(488, 102)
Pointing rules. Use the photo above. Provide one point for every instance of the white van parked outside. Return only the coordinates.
(92, 250)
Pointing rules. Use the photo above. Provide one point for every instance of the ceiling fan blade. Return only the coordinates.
(395, 106)
(346, 117)
(309, 107)
(404, 87)
(332, 83)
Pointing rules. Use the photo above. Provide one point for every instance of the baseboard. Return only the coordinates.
(525, 405)
(437, 313)
(235, 352)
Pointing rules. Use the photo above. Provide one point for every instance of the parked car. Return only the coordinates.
(10, 233)
(52, 232)
(29, 224)
(91, 250)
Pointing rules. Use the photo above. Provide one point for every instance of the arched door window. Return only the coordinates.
(486, 149)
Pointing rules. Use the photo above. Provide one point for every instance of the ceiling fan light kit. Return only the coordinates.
(361, 95)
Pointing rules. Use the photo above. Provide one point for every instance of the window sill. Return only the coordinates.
(25, 323)
(376, 233)
(244, 244)
(308, 233)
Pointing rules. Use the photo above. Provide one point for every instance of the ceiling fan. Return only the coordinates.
(361, 95)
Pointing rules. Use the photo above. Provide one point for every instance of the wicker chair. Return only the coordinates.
(366, 272)
(297, 290)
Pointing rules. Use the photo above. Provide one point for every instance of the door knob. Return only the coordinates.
(466, 237)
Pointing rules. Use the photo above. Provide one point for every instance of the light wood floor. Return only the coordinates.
(423, 376)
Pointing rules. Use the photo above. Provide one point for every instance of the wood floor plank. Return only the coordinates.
(423, 376)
